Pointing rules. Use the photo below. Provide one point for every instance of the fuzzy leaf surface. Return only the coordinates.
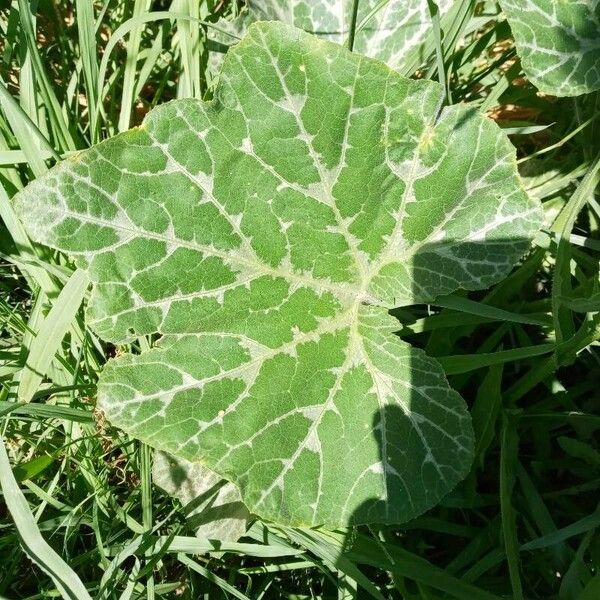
(391, 30)
(213, 506)
(558, 42)
(266, 235)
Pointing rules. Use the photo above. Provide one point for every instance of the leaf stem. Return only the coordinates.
(352, 31)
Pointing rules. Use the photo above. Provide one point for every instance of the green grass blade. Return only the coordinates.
(55, 114)
(402, 563)
(555, 537)
(591, 590)
(210, 576)
(190, 44)
(33, 543)
(334, 559)
(485, 412)
(540, 515)
(51, 333)
(489, 312)
(563, 226)
(140, 7)
(146, 484)
(193, 545)
(27, 133)
(86, 29)
(434, 12)
(469, 362)
(23, 245)
(130, 25)
(42, 411)
(508, 460)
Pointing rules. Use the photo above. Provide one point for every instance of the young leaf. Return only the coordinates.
(558, 42)
(215, 506)
(266, 235)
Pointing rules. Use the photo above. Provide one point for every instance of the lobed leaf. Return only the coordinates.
(266, 235)
(558, 42)
(389, 29)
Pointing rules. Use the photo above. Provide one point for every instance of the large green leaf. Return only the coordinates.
(558, 42)
(386, 30)
(390, 28)
(266, 235)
